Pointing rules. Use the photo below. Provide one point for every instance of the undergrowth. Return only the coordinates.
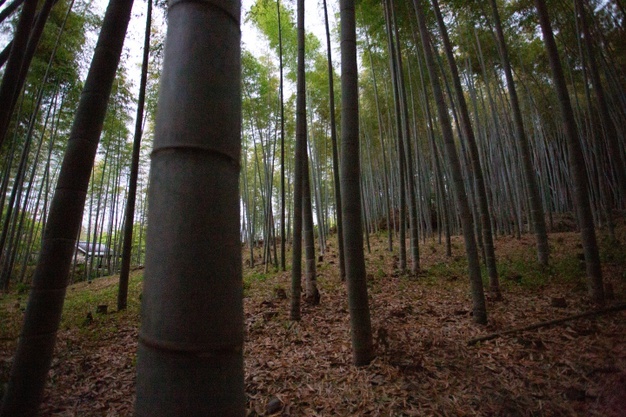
(84, 298)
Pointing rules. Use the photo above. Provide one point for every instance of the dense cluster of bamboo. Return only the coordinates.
(463, 140)
(455, 118)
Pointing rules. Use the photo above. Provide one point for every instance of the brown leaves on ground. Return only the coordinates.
(424, 366)
(93, 377)
(420, 325)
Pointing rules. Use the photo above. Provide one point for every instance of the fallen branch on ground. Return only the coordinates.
(617, 307)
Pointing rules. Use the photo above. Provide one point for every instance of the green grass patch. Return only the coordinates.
(452, 269)
(612, 252)
(522, 272)
(252, 276)
(83, 299)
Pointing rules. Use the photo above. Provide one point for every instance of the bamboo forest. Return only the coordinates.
(313, 208)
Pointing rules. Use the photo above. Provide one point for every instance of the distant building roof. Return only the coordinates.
(91, 249)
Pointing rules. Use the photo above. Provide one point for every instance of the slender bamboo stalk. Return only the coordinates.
(576, 161)
(129, 215)
(333, 137)
(476, 168)
(298, 178)
(362, 345)
(478, 297)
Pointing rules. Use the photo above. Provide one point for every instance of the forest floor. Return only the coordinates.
(422, 325)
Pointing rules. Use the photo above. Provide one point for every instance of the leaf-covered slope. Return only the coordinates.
(422, 325)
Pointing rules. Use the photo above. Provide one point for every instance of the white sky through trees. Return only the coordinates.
(252, 40)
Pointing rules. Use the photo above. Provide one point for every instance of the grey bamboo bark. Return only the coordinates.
(577, 167)
(9, 10)
(312, 295)
(35, 35)
(333, 137)
(31, 241)
(129, 215)
(382, 148)
(600, 182)
(476, 169)
(43, 314)
(536, 206)
(190, 359)
(8, 162)
(400, 143)
(142, 223)
(17, 228)
(298, 181)
(33, 41)
(318, 193)
(248, 212)
(363, 352)
(15, 58)
(96, 227)
(410, 176)
(443, 209)
(14, 199)
(283, 231)
(612, 138)
(476, 284)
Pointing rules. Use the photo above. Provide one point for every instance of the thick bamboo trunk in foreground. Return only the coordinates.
(190, 355)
